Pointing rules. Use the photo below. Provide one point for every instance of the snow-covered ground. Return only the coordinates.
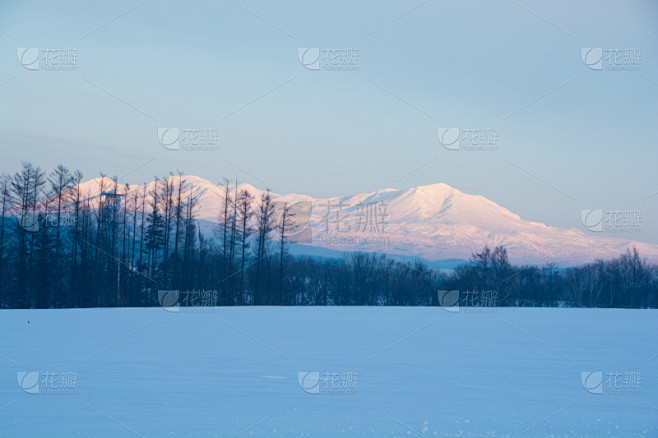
(382, 372)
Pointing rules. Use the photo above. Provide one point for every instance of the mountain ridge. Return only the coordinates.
(433, 222)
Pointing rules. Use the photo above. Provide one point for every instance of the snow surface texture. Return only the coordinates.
(433, 222)
(235, 371)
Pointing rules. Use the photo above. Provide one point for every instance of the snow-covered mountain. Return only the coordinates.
(433, 222)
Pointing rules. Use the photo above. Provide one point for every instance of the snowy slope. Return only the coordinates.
(420, 372)
(433, 222)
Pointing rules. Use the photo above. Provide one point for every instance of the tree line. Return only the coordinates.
(118, 245)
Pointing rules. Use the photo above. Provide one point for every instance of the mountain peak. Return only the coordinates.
(438, 189)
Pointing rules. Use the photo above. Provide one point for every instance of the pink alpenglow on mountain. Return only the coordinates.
(432, 222)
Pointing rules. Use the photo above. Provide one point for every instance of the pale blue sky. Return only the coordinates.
(589, 135)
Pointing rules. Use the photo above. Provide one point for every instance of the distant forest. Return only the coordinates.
(59, 248)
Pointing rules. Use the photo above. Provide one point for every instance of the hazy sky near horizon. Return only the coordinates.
(569, 136)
